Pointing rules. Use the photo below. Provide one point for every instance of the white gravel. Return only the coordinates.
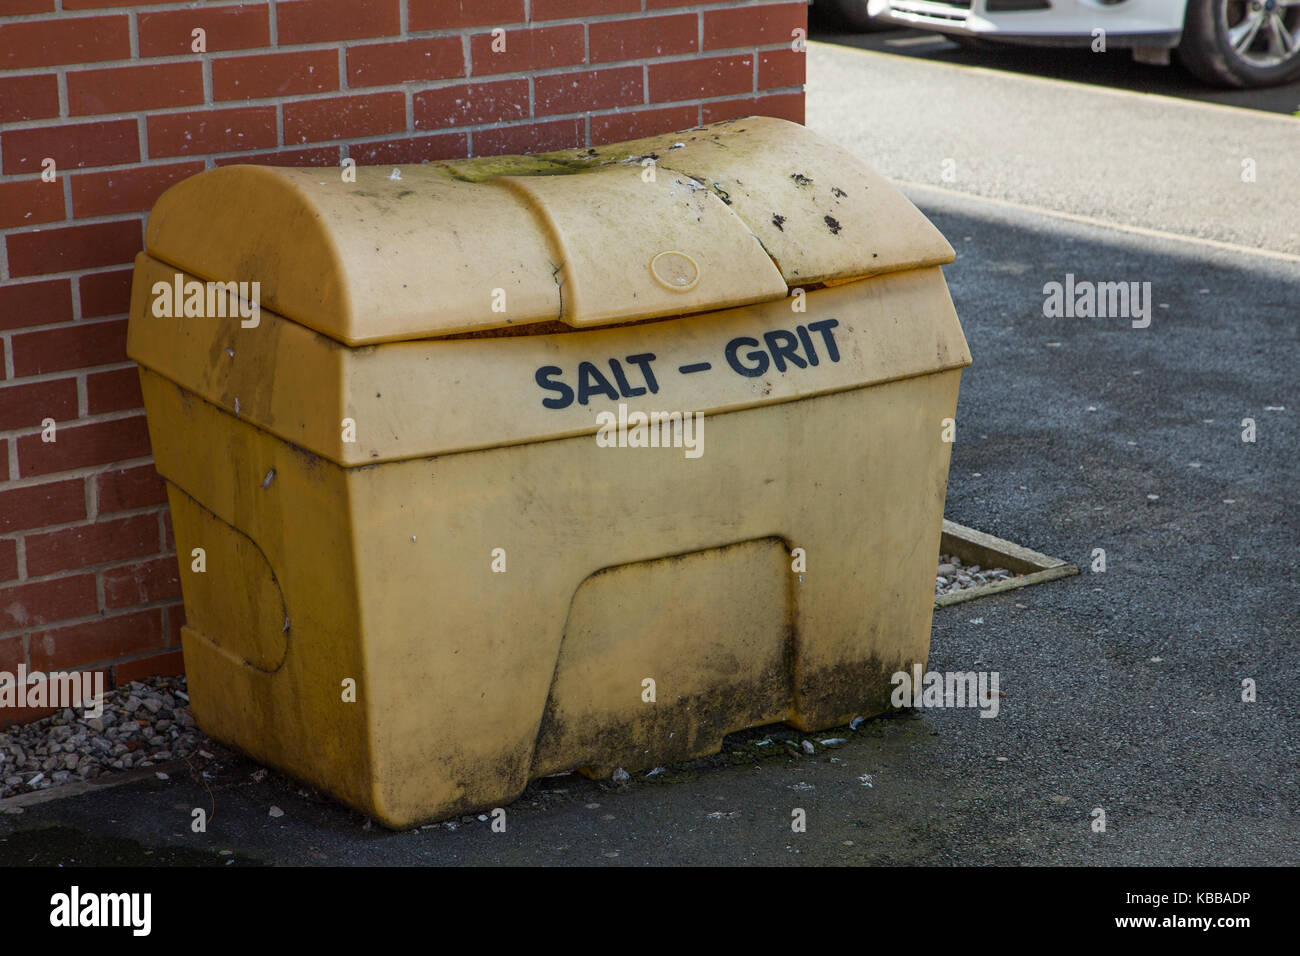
(952, 575)
(144, 723)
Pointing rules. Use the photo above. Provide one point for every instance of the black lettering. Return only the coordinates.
(544, 377)
(643, 362)
(590, 380)
(623, 386)
(784, 346)
(824, 327)
(806, 339)
(750, 371)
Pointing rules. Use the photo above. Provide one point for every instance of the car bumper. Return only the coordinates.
(1050, 22)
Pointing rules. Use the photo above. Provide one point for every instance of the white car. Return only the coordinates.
(1225, 42)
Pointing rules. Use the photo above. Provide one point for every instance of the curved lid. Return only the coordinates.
(724, 215)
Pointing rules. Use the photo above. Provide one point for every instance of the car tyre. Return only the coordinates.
(1238, 43)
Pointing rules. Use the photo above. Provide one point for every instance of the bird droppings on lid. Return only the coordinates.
(778, 220)
(832, 224)
(800, 179)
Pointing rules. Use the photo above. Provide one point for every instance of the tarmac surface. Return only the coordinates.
(1123, 688)
(1124, 157)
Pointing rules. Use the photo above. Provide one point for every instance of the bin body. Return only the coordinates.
(426, 582)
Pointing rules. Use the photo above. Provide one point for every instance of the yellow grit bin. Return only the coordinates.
(486, 470)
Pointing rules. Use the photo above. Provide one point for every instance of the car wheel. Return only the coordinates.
(851, 15)
(1242, 43)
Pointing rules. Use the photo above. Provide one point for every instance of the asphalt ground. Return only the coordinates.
(1114, 68)
(1123, 688)
(1113, 155)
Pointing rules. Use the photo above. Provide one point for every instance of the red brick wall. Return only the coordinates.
(111, 91)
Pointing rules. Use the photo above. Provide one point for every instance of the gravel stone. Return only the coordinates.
(951, 575)
(66, 746)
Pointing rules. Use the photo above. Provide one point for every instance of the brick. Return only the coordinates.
(592, 90)
(384, 64)
(412, 149)
(88, 144)
(125, 190)
(24, 304)
(122, 89)
(777, 68)
(170, 33)
(143, 583)
(275, 74)
(15, 7)
(316, 156)
(105, 293)
(167, 664)
(471, 104)
(12, 653)
(27, 405)
(335, 117)
(565, 9)
(616, 127)
(28, 97)
(66, 40)
(8, 572)
(325, 21)
(78, 346)
(667, 4)
(169, 534)
(74, 247)
(174, 620)
(455, 14)
(528, 49)
(47, 602)
(753, 25)
(635, 39)
(787, 106)
(30, 202)
(215, 131)
(36, 506)
(530, 137)
(81, 445)
(125, 489)
(115, 391)
(101, 4)
(72, 549)
(706, 77)
(77, 645)
(4, 459)
(17, 716)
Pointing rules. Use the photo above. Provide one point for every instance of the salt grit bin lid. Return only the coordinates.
(724, 215)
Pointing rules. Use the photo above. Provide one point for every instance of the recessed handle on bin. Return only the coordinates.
(676, 271)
